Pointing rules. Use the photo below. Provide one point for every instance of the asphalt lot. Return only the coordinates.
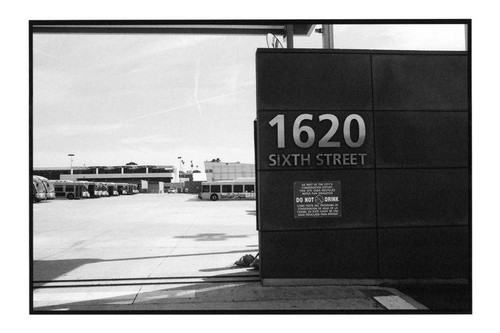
(140, 236)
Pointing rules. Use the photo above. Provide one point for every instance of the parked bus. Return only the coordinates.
(85, 188)
(49, 188)
(122, 188)
(228, 189)
(68, 189)
(35, 196)
(112, 189)
(102, 189)
(92, 189)
(40, 187)
(132, 189)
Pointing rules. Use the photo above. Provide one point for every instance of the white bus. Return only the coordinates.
(132, 188)
(102, 189)
(69, 189)
(40, 187)
(227, 189)
(49, 187)
(122, 188)
(85, 188)
(35, 195)
(92, 189)
(112, 189)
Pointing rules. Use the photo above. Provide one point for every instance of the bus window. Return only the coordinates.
(227, 188)
(59, 188)
(238, 188)
(249, 188)
(205, 188)
(215, 188)
(70, 188)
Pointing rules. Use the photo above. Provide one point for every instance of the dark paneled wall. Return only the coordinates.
(421, 139)
(341, 82)
(420, 82)
(319, 254)
(422, 197)
(424, 252)
(406, 212)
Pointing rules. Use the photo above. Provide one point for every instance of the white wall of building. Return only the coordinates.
(229, 170)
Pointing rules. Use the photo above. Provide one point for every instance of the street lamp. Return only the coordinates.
(178, 171)
(71, 157)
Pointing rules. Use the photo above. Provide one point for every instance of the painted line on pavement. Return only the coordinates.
(153, 278)
(112, 283)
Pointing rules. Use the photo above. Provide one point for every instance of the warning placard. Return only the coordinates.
(317, 199)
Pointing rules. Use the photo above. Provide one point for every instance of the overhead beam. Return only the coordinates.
(110, 28)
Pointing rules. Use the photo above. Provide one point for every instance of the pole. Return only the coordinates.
(327, 30)
(71, 163)
(179, 170)
(289, 36)
(466, 26)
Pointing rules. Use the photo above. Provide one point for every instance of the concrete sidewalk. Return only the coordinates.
(244, 293)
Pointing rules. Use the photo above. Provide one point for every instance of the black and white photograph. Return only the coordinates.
(255, 166)
(238, 167)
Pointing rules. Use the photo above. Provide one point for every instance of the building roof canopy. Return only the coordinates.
(179, 27)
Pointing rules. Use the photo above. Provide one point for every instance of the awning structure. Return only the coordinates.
(180, 28)
(175, 27)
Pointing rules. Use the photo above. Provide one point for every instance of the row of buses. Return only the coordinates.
(43, 189)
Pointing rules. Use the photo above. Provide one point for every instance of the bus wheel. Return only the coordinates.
(214, 197)
(70, 196)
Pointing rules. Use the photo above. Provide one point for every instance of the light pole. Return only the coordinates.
(71, 165)
(179, 171)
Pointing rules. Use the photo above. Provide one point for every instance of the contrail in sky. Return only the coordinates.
(159, 112)
(198, 102)
(196, 76)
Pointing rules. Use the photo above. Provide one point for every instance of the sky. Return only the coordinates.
(111, 99)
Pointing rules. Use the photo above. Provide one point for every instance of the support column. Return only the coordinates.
(327, 31)
(289, 36)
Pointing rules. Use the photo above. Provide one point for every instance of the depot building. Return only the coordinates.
(153, 178)
(148, 177)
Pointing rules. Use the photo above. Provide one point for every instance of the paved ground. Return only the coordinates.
(161, 252)
(140, 236)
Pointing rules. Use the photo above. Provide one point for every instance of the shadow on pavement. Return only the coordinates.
(48, 270)
(188, 296)
(247, 272)
(195, 198)
(212, 237)
(455, 298)
(218, 269)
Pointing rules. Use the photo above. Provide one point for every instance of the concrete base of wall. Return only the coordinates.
(357, 282)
